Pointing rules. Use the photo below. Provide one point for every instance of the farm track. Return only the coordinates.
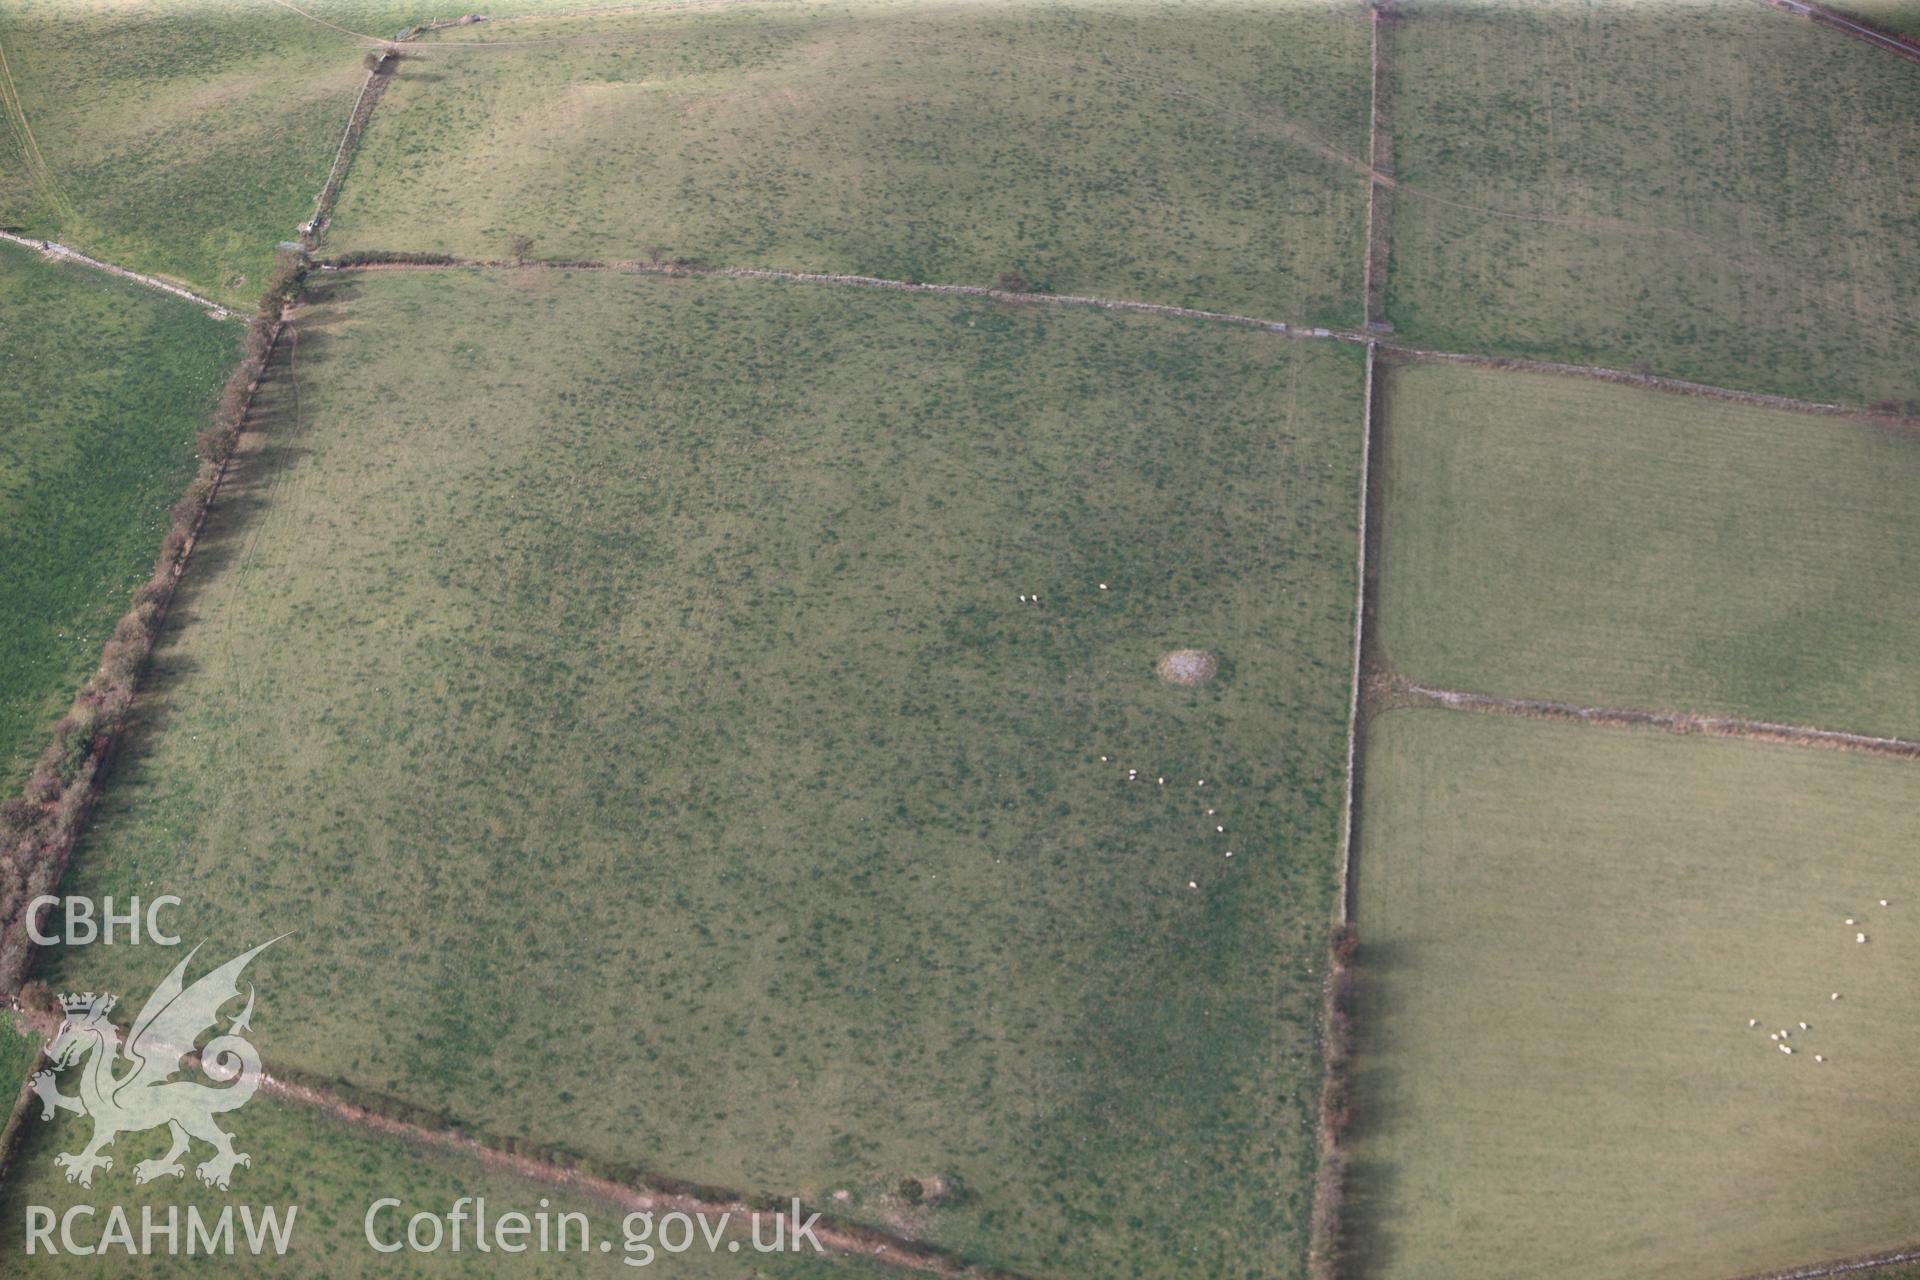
(836, 1237)
(64, 254)
(1399, 691)
(1860, 31)
(15, 110)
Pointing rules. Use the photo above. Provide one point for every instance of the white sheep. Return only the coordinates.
(1753, 1022)
(1786, 1048)
(1805, 1027)
(1836, 995)
(1883, 902)
(1222, 830)
(1819, 1057)
(1103, 586)
(1859, 937)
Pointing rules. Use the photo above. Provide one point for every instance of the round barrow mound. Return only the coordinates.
(1187, 666)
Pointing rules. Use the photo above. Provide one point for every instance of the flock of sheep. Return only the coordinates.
(1133, 775)
(1781, 1036)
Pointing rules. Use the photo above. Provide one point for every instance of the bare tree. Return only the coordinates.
(522, 248)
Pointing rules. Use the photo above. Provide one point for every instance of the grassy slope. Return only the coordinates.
(1160, 151)
(627, 678)
(1722, 191)
(106, 385)
(333, 1173)
(1567, 931)
(1595, 543)
(182, 139)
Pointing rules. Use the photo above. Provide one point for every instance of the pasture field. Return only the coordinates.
(334, 1172)
(1208, 154)
(1566, 931)
(623, 686)
(1606, 545)
(1718, 191)
(106, 384)
(180, 139)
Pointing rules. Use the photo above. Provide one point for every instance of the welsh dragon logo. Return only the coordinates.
(145, 1095)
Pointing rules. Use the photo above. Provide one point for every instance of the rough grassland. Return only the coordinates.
(1593, 543)
(1720, 190)
(333, 1173)
(1165, 151)
(105, 385)
(180, 139)
(622, 683)
(1566, 931)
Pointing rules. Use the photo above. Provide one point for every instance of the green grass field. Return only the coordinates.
(1199, 153)
(106, 384)
(1565, 932)
(623, 687)
(180, 139)
(333, 1173)
(1601, 544)
(1714, 190)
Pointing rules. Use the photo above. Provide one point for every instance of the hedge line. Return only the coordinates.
(38, 827)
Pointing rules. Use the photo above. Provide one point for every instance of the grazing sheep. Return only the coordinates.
(1222, 830)
(1883, 902)
(1199, 782)
(1753, 1022)
(1819, 1057)
(1229, 853)
(1850, 920)
(1103, 586)
(1774, 1036)
(1836, 995)
(1859, 937)
(1193, 884)
(1786, 1048)
(1805, 1027)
